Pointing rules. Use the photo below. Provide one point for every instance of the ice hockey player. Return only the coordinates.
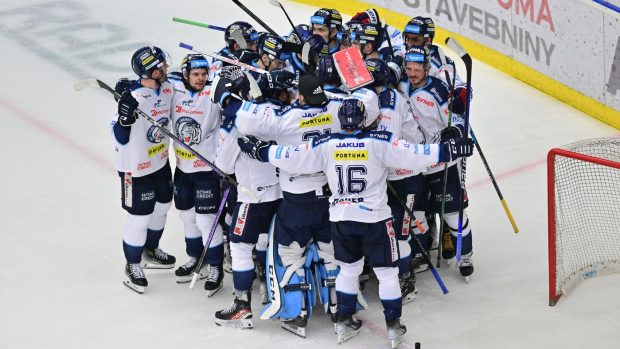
(141, 152)
(196, 120)
(355, 162)
(397, 118)
(251, 218)
(301, 226)
(395, 38)
(429, 99)
(237, 31)
(328, 24)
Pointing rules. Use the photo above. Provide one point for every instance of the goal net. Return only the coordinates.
(583, 181)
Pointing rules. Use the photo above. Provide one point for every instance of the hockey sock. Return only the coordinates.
(152, 238)
(242, 264)
(193, 246)
(215, 253)
(347, 286)
(404, 263)
(157, 224)
(193, 241)
(452, 220)
(134, 237)
(261, 250)
(389, 292)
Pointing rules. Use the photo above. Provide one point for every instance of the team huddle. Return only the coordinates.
(288, 176)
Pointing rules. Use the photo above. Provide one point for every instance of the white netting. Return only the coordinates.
(587, 213)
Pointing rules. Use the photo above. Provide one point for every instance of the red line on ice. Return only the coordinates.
(58, 135)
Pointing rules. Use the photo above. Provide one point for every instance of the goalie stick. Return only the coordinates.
(84, 84)
(458, 49)
(415, 238)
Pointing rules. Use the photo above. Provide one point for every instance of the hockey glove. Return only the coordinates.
(456, 148)
(280, 79)
(449, 133)
(127, 106)
(459, 100)
(122, 85)
(254, 148)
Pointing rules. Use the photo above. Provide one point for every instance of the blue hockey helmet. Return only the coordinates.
(271, 45)
(417, 54)
(247, 30)
(379, 70)
(303, 30)
(193, 61)
(352, 114)
(369, 33)
(148, 59)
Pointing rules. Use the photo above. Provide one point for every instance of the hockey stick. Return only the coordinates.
(278, 4)
(415, 238)
(254, 17)
(499, 193)
(196, 273)
(198, 24)
(442, 58)
(83, 84)
(456, 47)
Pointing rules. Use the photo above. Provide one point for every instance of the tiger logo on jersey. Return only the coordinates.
(188, 130)
(154, 134)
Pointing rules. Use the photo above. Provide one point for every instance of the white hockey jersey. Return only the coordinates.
(147, 149)
(356, 167)
(196, 120)
(260, 178)
(297, 124)
(397, 117)
(430, 109)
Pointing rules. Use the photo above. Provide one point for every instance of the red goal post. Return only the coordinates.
(583, 183)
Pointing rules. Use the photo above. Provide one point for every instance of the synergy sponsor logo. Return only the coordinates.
(321, 119)
(351, 155)
(154, 150)
(424, 101)
(183, 154)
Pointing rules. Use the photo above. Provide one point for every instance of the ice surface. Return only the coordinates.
(61, 221)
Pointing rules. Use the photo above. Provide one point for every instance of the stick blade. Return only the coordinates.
(274, 3)
(84, 84)
(456, 47)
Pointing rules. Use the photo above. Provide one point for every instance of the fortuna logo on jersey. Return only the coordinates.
(322, 119)
(392, 239)
(241, 218)
(188, 130)
(351, 155)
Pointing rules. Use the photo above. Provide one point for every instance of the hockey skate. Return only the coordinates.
(262, 284)
(297, 325)
(185, 272)
(134, 277)
(215, 279)
(347, 327)
(157, 259)
(419, 263)
(395, 331)
(466, 267)
(407, 288)
(238, 315)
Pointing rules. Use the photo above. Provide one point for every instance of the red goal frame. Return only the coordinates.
(553, 153)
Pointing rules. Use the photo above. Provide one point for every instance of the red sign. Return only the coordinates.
(352, 68)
